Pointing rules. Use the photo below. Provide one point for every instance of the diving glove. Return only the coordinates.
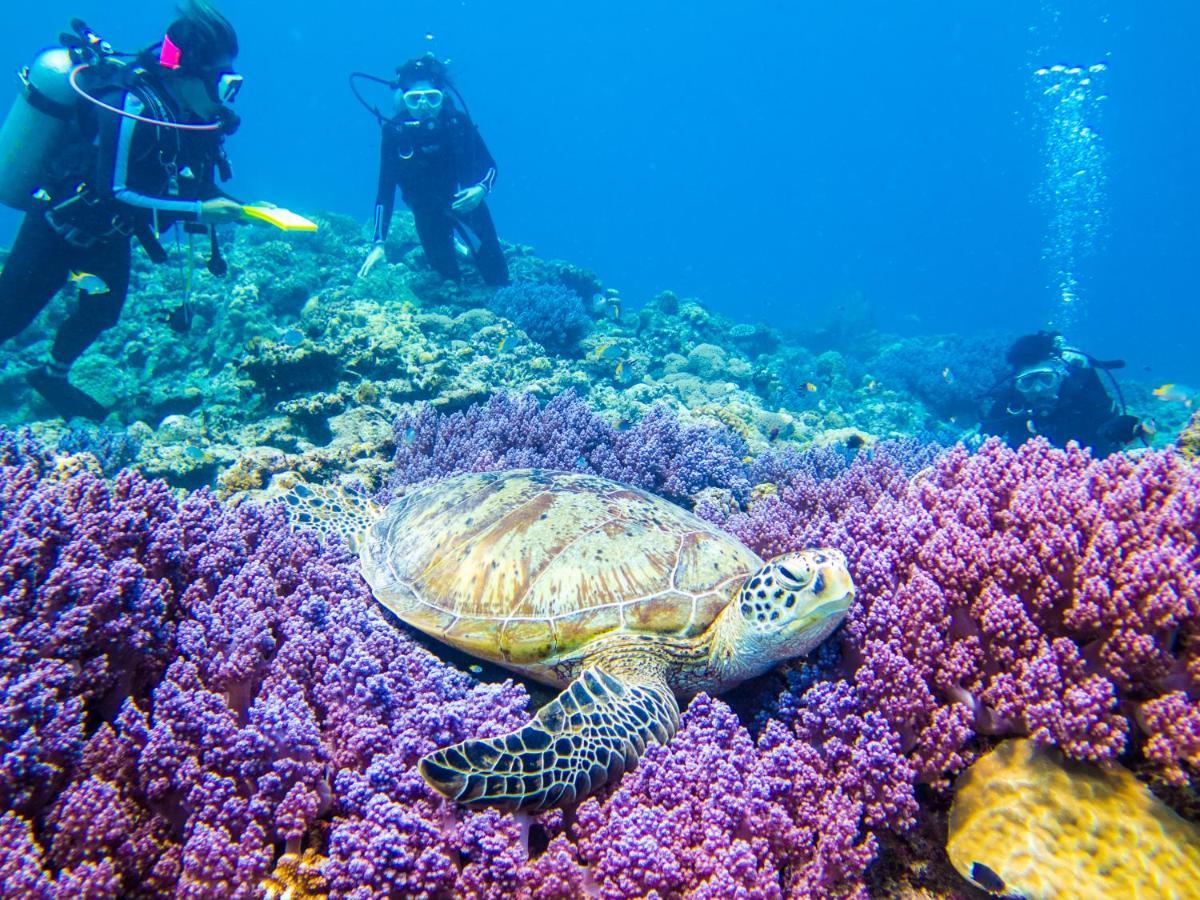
(66, 399)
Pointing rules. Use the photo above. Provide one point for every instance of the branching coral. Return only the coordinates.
(1030, 591)
(550, 314)
(190, 687)
(658, 454)
(195, 690)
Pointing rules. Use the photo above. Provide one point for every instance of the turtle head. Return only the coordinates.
(787, 608)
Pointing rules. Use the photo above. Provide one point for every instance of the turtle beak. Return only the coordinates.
(832, 592)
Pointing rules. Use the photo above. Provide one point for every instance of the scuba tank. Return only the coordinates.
(45, 115)
(40, 120)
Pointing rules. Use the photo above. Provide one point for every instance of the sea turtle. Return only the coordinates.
(618, 597)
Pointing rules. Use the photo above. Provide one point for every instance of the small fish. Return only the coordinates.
(1176, 393)
(609, 352)
(89, 283)
(1149, 427)
(179, 319)
(872, 385)
(948, 375)
(293, 337)
(194, 453)
(809, 386)
(503, 341)
(620, 368)
(475, 670)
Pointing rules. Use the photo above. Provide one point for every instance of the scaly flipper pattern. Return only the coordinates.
(588, 735)
(331, 511)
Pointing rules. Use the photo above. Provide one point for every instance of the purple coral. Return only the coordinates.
(211, 688)
(1034, 591)
(551, 314)
(192, 686)
(713, 814)
(658, 454)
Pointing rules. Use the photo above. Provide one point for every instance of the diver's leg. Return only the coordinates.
(435, 228)
(95, 312)
(488, 255)
(36, 270)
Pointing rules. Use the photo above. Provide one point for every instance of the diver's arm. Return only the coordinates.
(385, 196)
(385, 203)
(117, 160)
(477, 166)
(478, 172)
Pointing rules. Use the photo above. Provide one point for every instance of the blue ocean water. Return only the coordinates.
(777, 160)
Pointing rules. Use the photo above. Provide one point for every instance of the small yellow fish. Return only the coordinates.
(1176, 393)
(609, 352)
(809, 386)
(872, 384)
(89, 283)
(620, 368)
(503, 341)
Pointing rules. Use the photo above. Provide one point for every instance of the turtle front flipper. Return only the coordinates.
(588, 735)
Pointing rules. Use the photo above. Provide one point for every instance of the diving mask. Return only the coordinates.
(223, 87)
(423, 101)
(1041, 380)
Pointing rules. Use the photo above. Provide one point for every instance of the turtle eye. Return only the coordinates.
(790, 575)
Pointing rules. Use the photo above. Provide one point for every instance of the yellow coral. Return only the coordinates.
(68, 465)
(1029, 822)
(1189, 440)
(297, 877)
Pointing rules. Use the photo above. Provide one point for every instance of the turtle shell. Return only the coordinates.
(526, 566)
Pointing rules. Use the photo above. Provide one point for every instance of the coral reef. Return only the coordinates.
(551, 316)
(1032, 591)
(1026, 822)
(658, 454)
(1189, 439)
(203, 702)
(291, 353)
(190, 687)
(216, 699)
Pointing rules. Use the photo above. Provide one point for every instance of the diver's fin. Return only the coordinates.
(66, 399)
(588, 735)
(331, 511)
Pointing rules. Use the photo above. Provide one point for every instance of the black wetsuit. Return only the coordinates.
(430, 162)
(1084, 413)
(136, 179)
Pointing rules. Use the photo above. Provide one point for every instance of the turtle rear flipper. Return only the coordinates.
(588, 735)
(331, 511)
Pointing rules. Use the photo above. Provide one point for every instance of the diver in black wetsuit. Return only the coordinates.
(125, 175)
(1056, 392)
(433, 152)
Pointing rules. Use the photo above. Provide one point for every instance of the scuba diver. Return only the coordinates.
(432, 150)
(1055, 391)
(126, 151)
